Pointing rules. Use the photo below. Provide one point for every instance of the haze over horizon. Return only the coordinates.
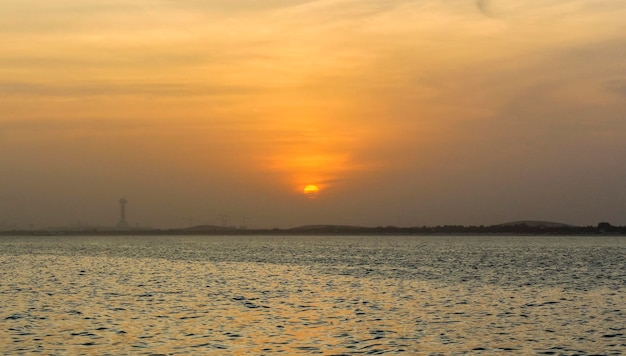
(401, 112)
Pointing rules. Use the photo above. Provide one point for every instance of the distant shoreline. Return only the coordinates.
(521, 229)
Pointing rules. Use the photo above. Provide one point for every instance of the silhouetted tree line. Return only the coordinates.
(603, 228)
(517, 229)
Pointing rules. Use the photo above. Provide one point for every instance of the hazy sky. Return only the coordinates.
(403, 112)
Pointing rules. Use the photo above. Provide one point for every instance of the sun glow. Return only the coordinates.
(311, 190)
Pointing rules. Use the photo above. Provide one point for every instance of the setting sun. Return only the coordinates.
(311, 190)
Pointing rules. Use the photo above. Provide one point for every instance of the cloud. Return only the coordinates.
(237, 6)
(483, 7)
(616, 86)
(107, 89)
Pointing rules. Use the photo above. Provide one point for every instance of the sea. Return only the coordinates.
(313, 295)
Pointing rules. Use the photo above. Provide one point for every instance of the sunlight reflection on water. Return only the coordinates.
(312, 295)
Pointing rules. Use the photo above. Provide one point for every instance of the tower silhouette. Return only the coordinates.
(123, 224)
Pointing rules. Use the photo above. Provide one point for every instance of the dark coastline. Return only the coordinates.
(505, 229)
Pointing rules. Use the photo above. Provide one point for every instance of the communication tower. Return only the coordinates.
(123, 224)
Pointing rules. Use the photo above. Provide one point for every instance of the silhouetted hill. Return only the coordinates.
(535, 223)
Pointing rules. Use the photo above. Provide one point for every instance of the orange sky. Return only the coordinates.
(403, 112)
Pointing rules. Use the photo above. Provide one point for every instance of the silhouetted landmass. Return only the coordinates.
(526, 227)
(205, 228)
(536, 223)
(327, 229)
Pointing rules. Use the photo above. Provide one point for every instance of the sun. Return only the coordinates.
(311, 190)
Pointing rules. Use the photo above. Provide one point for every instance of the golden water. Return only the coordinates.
(312, 295)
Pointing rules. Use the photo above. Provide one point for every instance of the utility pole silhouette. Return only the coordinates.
(244, 223)
(123, 224)
(224, 218)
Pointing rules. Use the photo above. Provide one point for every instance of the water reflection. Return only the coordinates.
(103, 297)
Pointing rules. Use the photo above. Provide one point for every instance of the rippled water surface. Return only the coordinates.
(432, 295)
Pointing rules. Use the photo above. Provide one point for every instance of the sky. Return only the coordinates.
(401, 112)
